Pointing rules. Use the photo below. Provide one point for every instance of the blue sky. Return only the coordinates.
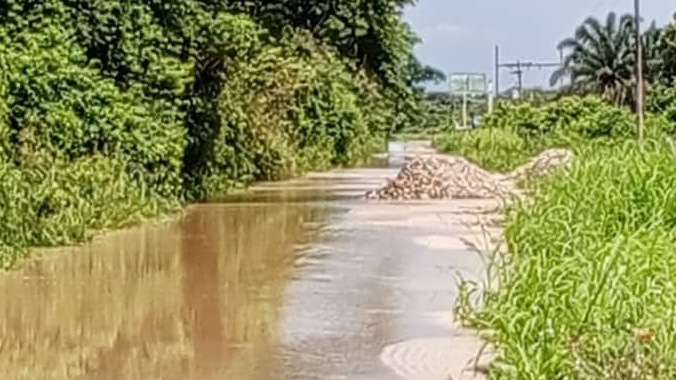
(460, 35)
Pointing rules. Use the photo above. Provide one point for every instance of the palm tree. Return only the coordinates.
(664, 56)
(654, 45)
(600, 58)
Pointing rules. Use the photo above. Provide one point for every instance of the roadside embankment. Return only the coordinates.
(586, 290)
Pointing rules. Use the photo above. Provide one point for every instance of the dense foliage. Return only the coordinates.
(515, 132)
(666, 64)
(662, 104)
(600, 58)
(111, 111)
(587, 290)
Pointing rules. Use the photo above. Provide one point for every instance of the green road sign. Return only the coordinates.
(468, 83)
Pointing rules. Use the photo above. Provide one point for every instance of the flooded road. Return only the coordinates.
(295, 280)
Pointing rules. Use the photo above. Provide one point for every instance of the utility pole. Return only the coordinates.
(639, 70)
(519, 67)
(519, 76)
(490, 95)
(497, 71)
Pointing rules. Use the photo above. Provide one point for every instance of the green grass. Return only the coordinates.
(491, 148)
(589, 287)
(51, 203)
(504, 149)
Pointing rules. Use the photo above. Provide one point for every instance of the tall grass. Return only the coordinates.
(515, 132)
(491, 148)
(47, 202)
(588, 289)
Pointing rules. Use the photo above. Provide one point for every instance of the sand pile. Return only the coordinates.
(451, 177)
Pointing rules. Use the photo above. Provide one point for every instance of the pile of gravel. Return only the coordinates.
(440, 177)
(544, 164)
(451, 177)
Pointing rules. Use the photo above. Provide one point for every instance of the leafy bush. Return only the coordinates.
(490, 148)
(587, 290)
(520, 117)
(283, 109)
(588, 117)
(57, 104)
(78, 154)
(515, 132)
(662, 102)
(127, 107)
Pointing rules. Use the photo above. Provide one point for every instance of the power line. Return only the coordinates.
(519, 67)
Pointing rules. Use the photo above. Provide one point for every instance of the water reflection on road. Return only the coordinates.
(182, 300)
(298, 280)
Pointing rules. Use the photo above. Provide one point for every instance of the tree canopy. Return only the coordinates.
(600, 57)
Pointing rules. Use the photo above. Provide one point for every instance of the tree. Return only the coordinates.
(370, 32)
(667, 54)
(421, 74)
(600, 58)
(653, 42)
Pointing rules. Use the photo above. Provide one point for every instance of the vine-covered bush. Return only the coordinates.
(662, 102)
(77, 153)
(515, 132)
(59, 105)
(111, 111)
(283, 109)
(587, 117)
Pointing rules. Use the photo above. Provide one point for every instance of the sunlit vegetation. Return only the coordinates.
(586, 285)
(115, 111)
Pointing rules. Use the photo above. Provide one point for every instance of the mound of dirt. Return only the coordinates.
(452, 177)
(440, 177)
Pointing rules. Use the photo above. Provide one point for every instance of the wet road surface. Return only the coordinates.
(295, 280)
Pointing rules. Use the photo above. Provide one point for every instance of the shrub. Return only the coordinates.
(588, 117)
(78, 154)
(662, 102)
(587, 290)
(283, 109)
(59, 105)
(515, 132)
(520, 117)
(127, 107)
(491, 148)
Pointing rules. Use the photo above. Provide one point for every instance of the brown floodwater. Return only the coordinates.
(295, 280)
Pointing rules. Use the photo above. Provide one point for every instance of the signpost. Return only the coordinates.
(467, 84)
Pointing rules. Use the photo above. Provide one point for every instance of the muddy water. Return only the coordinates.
(297, 280)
